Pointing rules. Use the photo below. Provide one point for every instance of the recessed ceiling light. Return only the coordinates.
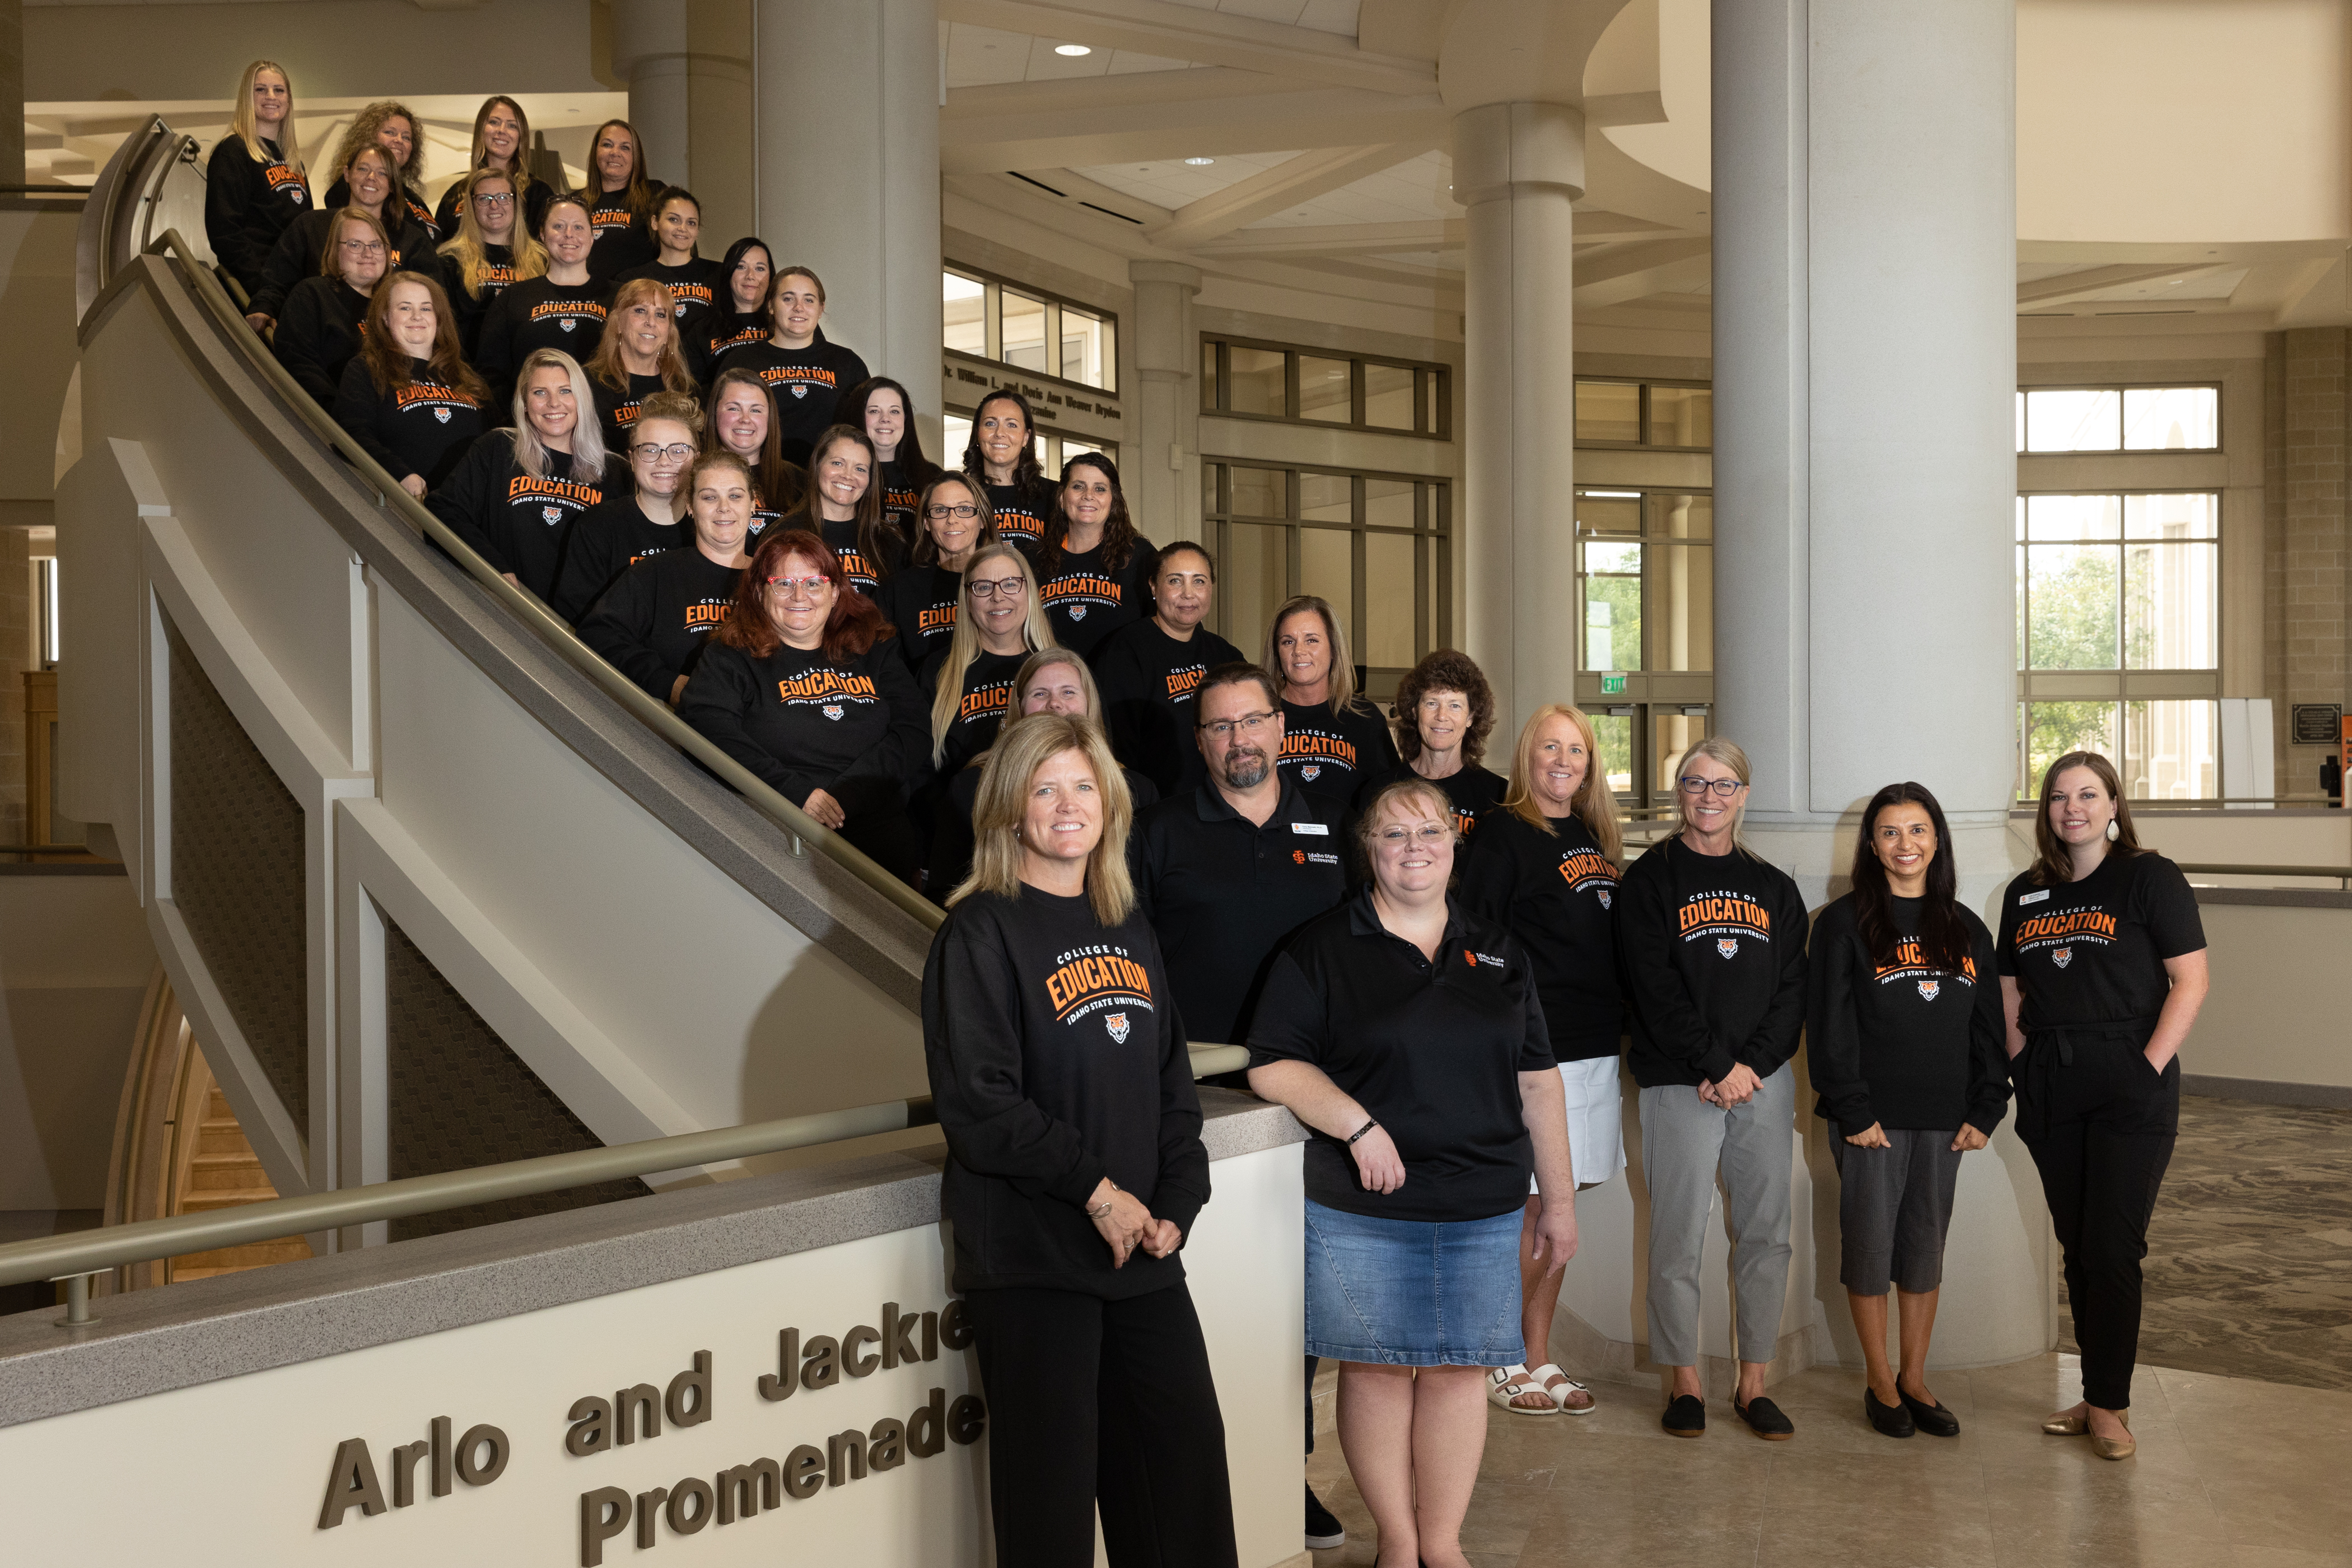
(1200, 163)
(1073, 51)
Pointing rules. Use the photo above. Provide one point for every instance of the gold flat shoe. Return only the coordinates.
(2079, 1426)
(2122, 1448)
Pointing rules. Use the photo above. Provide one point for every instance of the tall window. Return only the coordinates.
(1029, 330)
(2118, 637)
(1646, 573)
(1373, 544)
(1248, 380)
(2119, 420)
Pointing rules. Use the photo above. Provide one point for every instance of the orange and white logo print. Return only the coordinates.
(1729, 917)
(1311, 773)
(2062, 957)
(832, 709)
(1116, 1023)
(1104, 979)
(1728, 946)
(1930, 990)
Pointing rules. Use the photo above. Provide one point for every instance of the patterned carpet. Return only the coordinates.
(2249, 1257)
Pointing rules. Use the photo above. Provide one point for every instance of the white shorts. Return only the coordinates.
(1596, 1130)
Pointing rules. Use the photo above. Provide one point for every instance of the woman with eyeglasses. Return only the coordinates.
(636, 357)
(491, 253)
(800, 687)
(254, 184)
(1333, 742)
(1404, 1030)
(640, 521)
(1445, 711)
(1094, 570)
(804, 372)
(920, 598)
(502, 145)
(319, 326)
(622, 194)
(518, 495)
(999, 624)
(652, 624)
(300, 252)
(843, 506)
(693, 280)
(1150, 671)
(743, 421)
(739, 313)
(1544, 868)
(1002, 454)
(1714, 943)
(408, 398)
(564, 308)
(880, 407)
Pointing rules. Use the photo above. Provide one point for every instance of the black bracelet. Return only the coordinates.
(1366, 1127)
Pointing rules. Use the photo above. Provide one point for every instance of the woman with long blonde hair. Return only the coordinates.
(1544, 866)
(636, 357)
(999, 623)
(1333, 742)
(1074, 1169)
(1714, 944)
(520, 491)
(490, 251)
(254, 184)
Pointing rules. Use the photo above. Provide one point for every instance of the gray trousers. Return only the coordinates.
(1684, 1141)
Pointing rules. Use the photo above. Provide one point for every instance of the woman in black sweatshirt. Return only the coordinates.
(652, 624)
(692, 280)
(1002, 454)
(1150, 671)
(739, 312)
(806, 373)
(800, 687)
(742, 420)
(1334, 742)
(622, 197)
(409, 398)
(301, 249)
(970, 683)
(1075, 1172)
(1445, 711)
(1903, 1031)
(501, 143)
(639, 520)
(1094, 570)
(636, 357)
(518, 493)
(920, 598)
(393, 128)
(253, 181)
(564, 310)
(882, 408)
(490, 252)
(843, 505)
(1714, 944)
(319, 326)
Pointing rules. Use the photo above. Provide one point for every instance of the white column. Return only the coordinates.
(650, 53)
(1518, 167)
(1865, 357)
(848, 111)
(1160, 463)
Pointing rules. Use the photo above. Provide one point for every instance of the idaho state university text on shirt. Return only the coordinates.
(1911, 963)
(1314, 749)
(1059, 592)
(1582, 868)
(1727, 916)
(833, 686)
(1094, 980)
(797, 379)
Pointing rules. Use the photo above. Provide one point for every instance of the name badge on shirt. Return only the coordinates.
(2033, 898)
(1315, 828)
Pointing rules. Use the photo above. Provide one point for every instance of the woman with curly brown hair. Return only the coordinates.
(1443, 712)
(393, 127)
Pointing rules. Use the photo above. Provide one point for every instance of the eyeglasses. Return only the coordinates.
(961, 513)
(494, 199)
(1724, 788)
(676, 453)
(1427, 835)
(1248, 724)
(361, 247)
(788, 587)
(1011, 587)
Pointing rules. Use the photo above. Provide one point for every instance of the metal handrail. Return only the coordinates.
(2213, 869)
(526, 607)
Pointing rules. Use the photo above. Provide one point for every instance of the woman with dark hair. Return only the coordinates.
(1333, 742)
(409, 398)
(800, 687)
(1075, 1170)
(652, 624)
(2101, 971)
(520, 491)
(393, 127)
(319, 326)
(490, 252)
(502, 144)
(620, 194)
(803, 372)
(843, 506)
(743, 421)
(562, 310)
(1544, 868)
(1150, 671)
(1713, 945)
(693, 282)
(1003, 455)
(920, 598)
(1903, 1035)
(880, 407)
(635, 357)
(998, 625)
(253, 181)
(1094, 570)
(739, 313)
(637, 521)
(1445, 711)
(301, 249)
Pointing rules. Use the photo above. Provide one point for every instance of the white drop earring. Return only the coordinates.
(2114, 831)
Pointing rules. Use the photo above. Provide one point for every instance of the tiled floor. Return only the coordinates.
(2231, 1474)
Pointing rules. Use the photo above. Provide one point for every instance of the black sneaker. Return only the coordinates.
(1764, 1418)
(1323, 1532)
(1686, 1416)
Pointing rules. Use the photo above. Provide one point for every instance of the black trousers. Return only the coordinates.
(2101, 1125)
(1102, 1402)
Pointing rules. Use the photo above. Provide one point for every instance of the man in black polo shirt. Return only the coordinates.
(1225, 873)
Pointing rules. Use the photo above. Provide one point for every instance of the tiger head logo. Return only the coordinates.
(800, 390)
(1603, 894)
(551, 515)
(681, 310)
(2062, 957)
(442, 415)
(1310, 774)
(567, 323)
(1728, 945)
(1117, 1023)
(1078, 611)
(1928, 990)
(833, 709)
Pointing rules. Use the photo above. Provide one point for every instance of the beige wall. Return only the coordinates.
(2282, 993)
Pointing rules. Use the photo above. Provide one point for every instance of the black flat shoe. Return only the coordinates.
(1764, 1418)
(1933, 1419)
(1891, 1420)
(1686, 1416)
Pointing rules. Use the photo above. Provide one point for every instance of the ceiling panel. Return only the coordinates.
(1320, 15)
(990, 57)
(1172, 183)
(1416, 189)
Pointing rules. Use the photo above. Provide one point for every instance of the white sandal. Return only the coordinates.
(1505, 1383)
(1556, 1384)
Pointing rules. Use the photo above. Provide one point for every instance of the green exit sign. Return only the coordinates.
(1613, 683)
